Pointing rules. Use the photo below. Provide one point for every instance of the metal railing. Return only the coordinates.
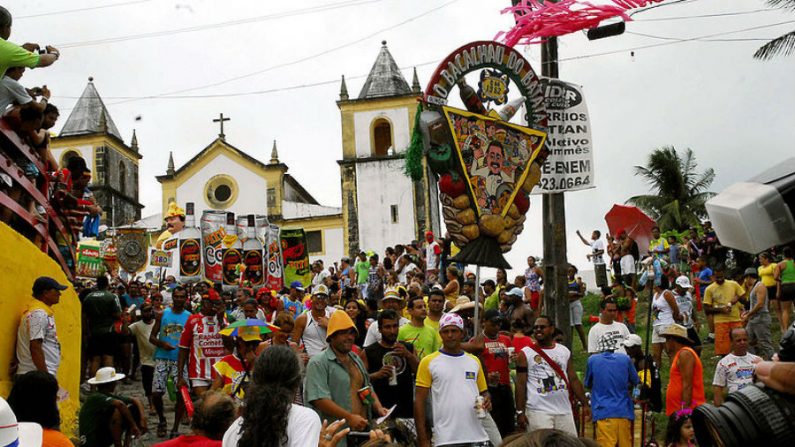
(53, 224)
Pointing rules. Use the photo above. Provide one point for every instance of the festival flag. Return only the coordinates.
(296, 257)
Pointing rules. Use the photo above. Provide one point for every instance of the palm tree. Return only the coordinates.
(782, 45)
(678, 191)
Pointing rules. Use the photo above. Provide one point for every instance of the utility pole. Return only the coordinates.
(556, 297)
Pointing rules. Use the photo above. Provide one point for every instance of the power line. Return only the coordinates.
(90, 8)
(739, 39)
(258, 92)
(274, 16)
(699, 16)
(670, 41)
(302, 59)
(606, 53)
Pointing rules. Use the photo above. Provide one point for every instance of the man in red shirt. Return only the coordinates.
(214, 414)
(495, 358)
(201, 344)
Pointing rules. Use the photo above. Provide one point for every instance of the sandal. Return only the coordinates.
(162, 429)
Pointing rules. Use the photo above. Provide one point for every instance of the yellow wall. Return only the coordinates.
(22, 263)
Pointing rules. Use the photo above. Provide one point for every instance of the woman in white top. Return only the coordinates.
(270, 417)
(666, 313)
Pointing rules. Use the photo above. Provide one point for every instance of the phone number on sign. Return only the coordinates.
(552, 183)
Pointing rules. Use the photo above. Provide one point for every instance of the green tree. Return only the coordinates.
(678, 192)
(782, 45)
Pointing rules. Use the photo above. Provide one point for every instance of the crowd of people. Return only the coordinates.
(386, 347)
(28, 112)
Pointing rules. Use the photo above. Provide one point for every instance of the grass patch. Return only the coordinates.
(708, 360)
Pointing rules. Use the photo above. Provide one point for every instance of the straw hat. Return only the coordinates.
(463, 303)
(105, 375)
(676, 330)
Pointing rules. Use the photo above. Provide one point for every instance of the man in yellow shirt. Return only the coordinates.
(722, 300)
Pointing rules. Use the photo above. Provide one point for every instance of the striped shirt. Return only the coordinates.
(202, 338)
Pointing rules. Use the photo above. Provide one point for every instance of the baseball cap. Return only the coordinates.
(488, 282)
(516, 291)
(684, 282)
(451, 319)
(297, 286)
(45, 283)
(392, 294)
(320, 289)
(492, 314)
(750, 271)
(633, 340)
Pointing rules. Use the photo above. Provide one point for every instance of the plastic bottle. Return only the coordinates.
(172, 389)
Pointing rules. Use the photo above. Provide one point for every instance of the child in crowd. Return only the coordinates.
(680, 431)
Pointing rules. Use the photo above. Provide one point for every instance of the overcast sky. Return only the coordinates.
(735, 112)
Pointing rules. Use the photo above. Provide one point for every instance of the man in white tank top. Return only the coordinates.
(310, 326)
(542, 395)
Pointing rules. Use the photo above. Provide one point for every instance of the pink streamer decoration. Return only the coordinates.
(536, 21)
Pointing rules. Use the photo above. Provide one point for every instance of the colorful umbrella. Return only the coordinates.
(264, 328)
(632, 220)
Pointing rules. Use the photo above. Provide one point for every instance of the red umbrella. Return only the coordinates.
(632, 220)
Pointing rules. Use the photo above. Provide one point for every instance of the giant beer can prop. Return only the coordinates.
(213, 232)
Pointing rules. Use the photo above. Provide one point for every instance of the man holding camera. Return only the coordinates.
(28, 55)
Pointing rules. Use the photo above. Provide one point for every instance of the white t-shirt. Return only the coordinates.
(374, 335)
(597, 245)
(303, 429)
(12, 92)
(410, 267)
(685, 305)
(455, 382)
(37, 325)
(735, 372)
(320, 277)
(141, 331)
(546, 390)
(431, 256)
(615, 334)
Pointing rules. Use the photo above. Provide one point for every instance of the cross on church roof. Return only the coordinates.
(221, 120)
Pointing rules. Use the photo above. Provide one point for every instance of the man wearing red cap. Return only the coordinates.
(432, 253)
(201, 344)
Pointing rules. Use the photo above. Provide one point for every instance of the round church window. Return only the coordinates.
(220, 191)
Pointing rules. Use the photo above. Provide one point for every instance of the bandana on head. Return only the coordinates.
(451, 319)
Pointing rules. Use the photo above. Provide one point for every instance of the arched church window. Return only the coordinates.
(221, 191)
(382, 137)
(66, 156)
(122, 178)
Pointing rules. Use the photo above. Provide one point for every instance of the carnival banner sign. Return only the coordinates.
(569, 165)
(159, 258)
(296, 257)
(275, 264)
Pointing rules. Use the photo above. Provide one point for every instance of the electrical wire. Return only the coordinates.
(699, 16)
(690, 39)
(299, 60)
(739, 39)
(257, 92)
(70, 11)
(274, 16)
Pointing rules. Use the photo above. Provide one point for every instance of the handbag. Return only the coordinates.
(559, 371)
